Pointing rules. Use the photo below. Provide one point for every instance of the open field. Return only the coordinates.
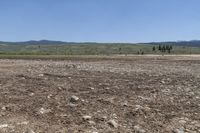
(91, 49)
(118, 94)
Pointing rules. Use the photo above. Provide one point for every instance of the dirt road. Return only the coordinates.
(141, 94)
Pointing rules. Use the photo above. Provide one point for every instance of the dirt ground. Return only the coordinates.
(137, 94)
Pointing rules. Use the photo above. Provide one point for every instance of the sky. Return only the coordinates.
(100, 20)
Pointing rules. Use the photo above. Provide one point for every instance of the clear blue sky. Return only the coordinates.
(100, 20)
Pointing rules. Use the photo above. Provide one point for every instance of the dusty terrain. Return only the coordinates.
(137, 94)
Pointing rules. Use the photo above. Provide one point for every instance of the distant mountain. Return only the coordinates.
(193, 43)
(33, 42)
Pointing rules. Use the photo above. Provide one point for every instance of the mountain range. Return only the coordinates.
(193, 43)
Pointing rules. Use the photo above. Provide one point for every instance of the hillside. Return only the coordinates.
(193, 43)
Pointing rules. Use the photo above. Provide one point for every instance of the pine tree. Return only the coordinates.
(154, 48)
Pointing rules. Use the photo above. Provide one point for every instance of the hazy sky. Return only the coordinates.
(100, 20)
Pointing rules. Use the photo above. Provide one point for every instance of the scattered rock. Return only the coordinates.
(92, 88)
(74, 98)
(87, 117)
(163, 82)
(180, 130)
(91, 122)
(4, 108)
(29, 131)
(49, 96)
(112, 123)
(138, 107)
(3, 126)
(41, 75)
(125, 104)
(23, 123)
(31, 94)
(44, 111)
(72, 105)
(138, 129)
(182, 122)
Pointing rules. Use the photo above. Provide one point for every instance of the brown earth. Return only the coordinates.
(137, 94)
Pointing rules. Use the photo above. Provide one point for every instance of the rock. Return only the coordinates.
(3, 126)
(91, 122)
(44, 111)
(49, 96)
(31, 94)
(74, 98)
(4, 108)
(125, 104)
(180, 130)
(112, 123)
(41, 75)
(163, 82)
(87, 117)
(29, 131)
(92, 88)
(23, 123)
(137, 107)
(182, 122)
(72, 105)
(138, 129)
(187, 89)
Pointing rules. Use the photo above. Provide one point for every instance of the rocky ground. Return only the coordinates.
(137, 94)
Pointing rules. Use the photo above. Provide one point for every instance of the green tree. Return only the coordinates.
(154, 48)
(163, 48)
(120, 50)
(159, 48)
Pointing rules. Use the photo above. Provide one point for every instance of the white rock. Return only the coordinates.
(92, 88)
(29, 131)
(72, 105)
(163, 82)
(113, 123)
(74, 98)
(181, 130)
(182, 122)
(41, 75)
(91, 122)
(87, 117)
(44, 111)
(3, 126)
(138, 129)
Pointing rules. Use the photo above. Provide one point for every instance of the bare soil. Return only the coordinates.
(137, 94)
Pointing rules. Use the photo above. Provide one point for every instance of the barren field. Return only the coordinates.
(135, 94)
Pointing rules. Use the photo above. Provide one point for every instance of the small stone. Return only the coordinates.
(87, 117)
(4, 108)
(180, 130)
(91, 122)
(92, 88)
(44, 111)
(163, 82)
(138, 129)
(112, 123)
(182, 122)
(41, 75)
(23, 123)
(29, 131)
(74, 98)
(49, 96)
(72, 105)
(31, 94)
(3, 126)
(125, 104)
(147, 109)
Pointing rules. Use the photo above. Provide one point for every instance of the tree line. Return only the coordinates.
(163, 48)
